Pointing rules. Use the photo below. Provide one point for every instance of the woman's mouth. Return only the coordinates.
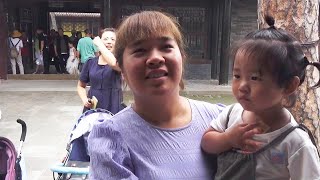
(156, 75)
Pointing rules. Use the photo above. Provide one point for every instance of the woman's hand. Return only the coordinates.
(88, 104)
(240, 136)
(98, 42)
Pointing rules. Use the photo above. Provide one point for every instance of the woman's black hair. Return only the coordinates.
(278, 52)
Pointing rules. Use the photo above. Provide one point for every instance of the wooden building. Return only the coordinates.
(208, 25)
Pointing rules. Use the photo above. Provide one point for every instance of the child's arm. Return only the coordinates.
(239, 136)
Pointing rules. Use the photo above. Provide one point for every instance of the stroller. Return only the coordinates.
(75, 165)
(11, 166)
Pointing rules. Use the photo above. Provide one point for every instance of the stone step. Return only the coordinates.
(42, 77)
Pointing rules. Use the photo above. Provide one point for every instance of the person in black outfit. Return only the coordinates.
(44, 49)
(62, 50)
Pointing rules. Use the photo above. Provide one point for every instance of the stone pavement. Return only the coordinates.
(50, 108)
(192, 86)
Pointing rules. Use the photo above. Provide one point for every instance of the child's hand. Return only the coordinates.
(240, 136)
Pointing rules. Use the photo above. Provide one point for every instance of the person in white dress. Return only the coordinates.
(73, 61)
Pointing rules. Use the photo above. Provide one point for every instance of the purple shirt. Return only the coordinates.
(105, 85)
(128, 147)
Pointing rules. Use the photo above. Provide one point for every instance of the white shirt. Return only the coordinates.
(295, 157)
(14, 42)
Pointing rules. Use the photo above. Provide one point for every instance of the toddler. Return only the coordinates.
(258, 138)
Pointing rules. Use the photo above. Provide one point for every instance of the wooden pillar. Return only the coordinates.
(225, 42)
(3, 40)
(43, 18)
(106, 15)
(215, 40)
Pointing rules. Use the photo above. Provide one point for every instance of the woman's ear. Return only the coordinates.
(292, 86)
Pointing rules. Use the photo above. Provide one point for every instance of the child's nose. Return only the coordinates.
(244, 86)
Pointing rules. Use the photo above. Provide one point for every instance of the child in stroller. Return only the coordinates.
(75, 165)
(11, 164)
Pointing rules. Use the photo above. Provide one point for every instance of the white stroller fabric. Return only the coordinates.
(87, 122)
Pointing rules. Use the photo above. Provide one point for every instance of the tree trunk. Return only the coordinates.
(300, 18)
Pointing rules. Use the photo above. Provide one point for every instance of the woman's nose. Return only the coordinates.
(155, 59)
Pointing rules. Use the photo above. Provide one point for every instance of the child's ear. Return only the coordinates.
(292, 86)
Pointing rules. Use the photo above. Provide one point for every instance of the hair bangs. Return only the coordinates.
(146, 25)
(269, 55)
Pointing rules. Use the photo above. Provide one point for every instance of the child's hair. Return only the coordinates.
(105, 30)
(277, 52)
(72, 42)
(144, 25)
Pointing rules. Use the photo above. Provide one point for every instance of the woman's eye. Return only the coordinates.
(138, 50)
(168, 46)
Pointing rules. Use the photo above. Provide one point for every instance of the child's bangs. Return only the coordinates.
(265, 53)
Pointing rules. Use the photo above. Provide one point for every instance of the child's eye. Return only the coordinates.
(255, 78)
(235, 76)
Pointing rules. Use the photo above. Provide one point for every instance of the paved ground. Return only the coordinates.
(50, 108)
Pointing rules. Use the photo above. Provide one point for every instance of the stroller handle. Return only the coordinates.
(24, 129)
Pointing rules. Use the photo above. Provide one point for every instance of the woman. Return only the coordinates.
(158, 136)
(104, 76)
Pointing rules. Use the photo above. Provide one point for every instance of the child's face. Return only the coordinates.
(253, 87)
(109, 39)
(153, 66)
(70, 45)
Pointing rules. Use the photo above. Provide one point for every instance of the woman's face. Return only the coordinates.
(153, 66)
(109, 38)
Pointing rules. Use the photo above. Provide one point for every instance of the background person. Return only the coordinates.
(52, 55)
(61, 49)
(104, 76)
(39, 50)
(25, 53)
(15, 41)
(158, 136)
(73, 61)
(269, 66)
(86, 49)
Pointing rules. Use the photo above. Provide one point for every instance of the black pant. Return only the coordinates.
(63, 62)
(46, 61)
(56, 63)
